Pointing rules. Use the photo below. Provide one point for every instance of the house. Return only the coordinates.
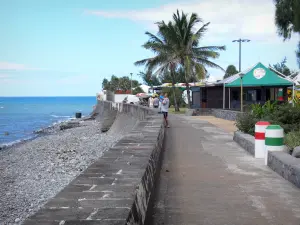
(259, 83)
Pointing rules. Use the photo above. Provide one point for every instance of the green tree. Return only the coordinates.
(149, 79)
(164, 57)
(124, 83)
(177, 46)
(230, 71)
(185, 42)
(137, 90)
(282, 67)
(287, 20)
(116, 83)
(104, 83)
(178, 76)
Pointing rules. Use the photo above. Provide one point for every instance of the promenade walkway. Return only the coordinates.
(207, 179)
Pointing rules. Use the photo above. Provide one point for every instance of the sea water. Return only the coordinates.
(21, 116)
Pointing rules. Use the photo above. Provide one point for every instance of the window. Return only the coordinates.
(250, 95)
(235, 95)
(258, 95)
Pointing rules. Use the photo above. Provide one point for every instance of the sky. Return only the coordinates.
(66, 48)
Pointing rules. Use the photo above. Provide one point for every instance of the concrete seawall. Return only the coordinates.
(117, 188)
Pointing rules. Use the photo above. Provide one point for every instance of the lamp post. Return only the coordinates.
(241, 76)
(131, 83)
(240, 50)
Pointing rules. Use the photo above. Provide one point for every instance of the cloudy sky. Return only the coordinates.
(66, 48)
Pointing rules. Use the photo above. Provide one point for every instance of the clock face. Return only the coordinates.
(259, 73)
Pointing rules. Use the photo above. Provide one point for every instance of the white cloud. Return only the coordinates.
(230, 19)
(15, 66)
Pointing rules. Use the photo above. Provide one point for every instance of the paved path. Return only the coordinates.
(226, 125)
(207, 179)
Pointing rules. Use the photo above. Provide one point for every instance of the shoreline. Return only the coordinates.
(51, 129)
(35, 170)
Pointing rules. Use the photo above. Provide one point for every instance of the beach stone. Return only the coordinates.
(69, 125)
(296, 152)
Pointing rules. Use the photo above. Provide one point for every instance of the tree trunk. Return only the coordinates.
(188, 95)
(174, 94)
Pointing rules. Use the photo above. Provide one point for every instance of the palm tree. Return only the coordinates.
(177, 46)
(164, 60)
(185, 43)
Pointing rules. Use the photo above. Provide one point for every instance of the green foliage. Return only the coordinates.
(287, 116)
(116, 83)
(178, 94)
(137, 90)
(282, 67)
(292, 139)
(104, 83)
(231, 70)
(149, 78)
(245, 122)
(287, 17)
(287, 20)
(259, 111)
(177, 45)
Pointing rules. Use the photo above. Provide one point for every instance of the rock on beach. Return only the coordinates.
(34, 171)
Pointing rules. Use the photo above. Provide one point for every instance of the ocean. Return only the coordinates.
(21, 116)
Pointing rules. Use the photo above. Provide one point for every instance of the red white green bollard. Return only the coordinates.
(260, 130)
(274, 140)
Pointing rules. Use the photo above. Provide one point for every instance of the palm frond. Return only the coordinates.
(205, 54)
(211, 48)
(198, 35)
(142, 62)
(208, 63)
(200, 71)
(153, 38)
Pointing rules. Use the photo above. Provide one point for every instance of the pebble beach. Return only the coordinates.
(34, 171)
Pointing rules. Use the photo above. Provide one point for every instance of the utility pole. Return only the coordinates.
(131, 82)
(240, 50)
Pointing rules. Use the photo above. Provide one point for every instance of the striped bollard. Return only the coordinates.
(274, 140)
(260, 130)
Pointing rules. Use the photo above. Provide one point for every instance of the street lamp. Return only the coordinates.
(241, 76)
(131, 83)
(240, 50)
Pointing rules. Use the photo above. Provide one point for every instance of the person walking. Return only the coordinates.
(165, 109)
(161, 98)
(150, 103)
(156, 102)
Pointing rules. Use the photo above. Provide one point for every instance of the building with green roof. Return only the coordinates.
(259, 83)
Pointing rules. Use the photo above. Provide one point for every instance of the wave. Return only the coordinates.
(1, 107)
(19, 141)
(55, 116)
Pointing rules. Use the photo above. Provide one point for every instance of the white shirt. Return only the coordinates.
(165, 105)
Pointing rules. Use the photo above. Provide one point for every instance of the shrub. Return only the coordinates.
(292, 139)
(245, 122)
(287, 116)
(259, 111)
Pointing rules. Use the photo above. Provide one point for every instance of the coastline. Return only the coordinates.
(51, 129)
(32, 171)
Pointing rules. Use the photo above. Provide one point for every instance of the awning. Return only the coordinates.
(257, 76)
